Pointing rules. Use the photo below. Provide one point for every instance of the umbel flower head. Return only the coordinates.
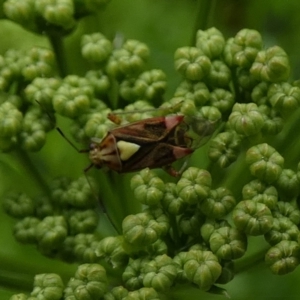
(162, 232)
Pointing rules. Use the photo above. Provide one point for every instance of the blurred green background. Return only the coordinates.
(163, 25)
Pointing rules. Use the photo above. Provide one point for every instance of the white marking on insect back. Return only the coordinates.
(127, 149)
(172, 121)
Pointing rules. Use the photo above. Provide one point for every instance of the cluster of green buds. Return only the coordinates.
(190, 231)
(48, 15)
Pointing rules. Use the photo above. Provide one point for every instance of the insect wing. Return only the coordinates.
(154, 155)
(152, 130)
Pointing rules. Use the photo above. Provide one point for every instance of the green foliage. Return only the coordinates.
(151, 234)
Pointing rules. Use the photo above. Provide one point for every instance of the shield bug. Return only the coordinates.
(154, 142)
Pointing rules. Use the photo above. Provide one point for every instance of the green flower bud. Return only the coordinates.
(99, 81)
(218, 203)
(127, 90)
(116, 293)
(42, 90)
(80, 193)
(89, 282)
(13, 63)
(197, 92)
(95, 47)
(202, 247)
(243, 48)
(157, 248)
(283, 258)
(264, 162)
(259, 94)
(273, 123)
(33, 136)
(113, 68)
(22, 12)
(222, 99)
(38, 62)
(66, 250)
(246, 119)
(188, 107)
(135, 59)
(137, 106)
(211, 41)
(194, 185)
(147, 187)
(73, 97)
(142, 294)
(143, 229)
(163, 223)
(25, 230)
(258, 191)
(211, 114)
(286, 209)
(85, 246)
(43, 206)
(191, 63)
(228, 243)
(47, 286)
(111, 249)
(180, 260)
(171, 202)
(19, 297)
(284, 97)
(82, 221)
(59, 13)
(160, 273)
(58, 187)
(137, 230)
(97, 124)
(190, 224)
(283, 230)
(202, 268)
(271, 65)
(201, 126)
(219, 74)
(209, 227)
(51, 232)
(245, 80)
(288, 184)
(18, 205)
(224, 148)
(15, 100)
(35, 114)
(151, 85)
(253, 218)
(227, 274)
(10, 120)
(133, 274)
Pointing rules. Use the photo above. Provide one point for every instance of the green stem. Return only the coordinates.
(205, 10)
(16, 281)
(236, 176)
(175, 232)
(31, 169)
(247, 263)
(57, 45)
(287, 143)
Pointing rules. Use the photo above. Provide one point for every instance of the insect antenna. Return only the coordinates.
(113, 116)
(102, 206)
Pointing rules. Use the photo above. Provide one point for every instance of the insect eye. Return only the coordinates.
(92, 146)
